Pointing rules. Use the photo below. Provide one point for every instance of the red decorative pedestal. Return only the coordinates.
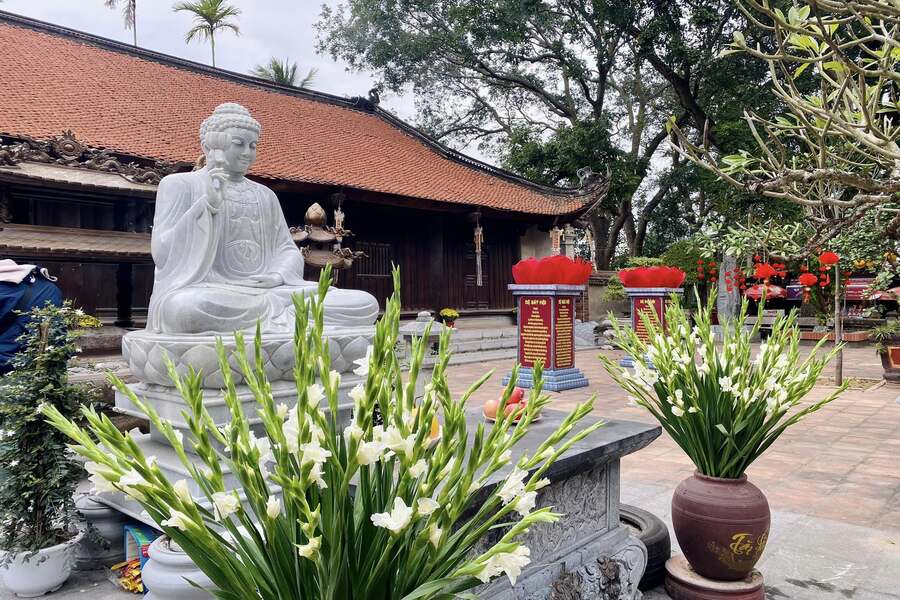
(546, 333)
(651, 301)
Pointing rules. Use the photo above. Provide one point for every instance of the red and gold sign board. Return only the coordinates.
(648, 307)
(564, 333)
(547, 334)
(535, 325)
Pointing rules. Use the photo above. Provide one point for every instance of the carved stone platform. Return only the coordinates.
(145, 351)
(587, 554)
(682, 583)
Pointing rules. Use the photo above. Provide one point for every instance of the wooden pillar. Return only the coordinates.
(436, 276)
(124, 294)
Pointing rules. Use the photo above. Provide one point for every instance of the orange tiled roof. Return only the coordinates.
(145, 104)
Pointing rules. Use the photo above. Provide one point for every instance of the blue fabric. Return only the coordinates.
(43, 291)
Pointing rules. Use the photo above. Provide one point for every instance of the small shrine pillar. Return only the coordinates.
(547, 333)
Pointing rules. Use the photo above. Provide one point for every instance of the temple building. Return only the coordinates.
(88, 126)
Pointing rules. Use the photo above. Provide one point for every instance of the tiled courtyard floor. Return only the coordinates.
(833, 483)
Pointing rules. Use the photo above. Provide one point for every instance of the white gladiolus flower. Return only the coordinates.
(314, 394)
(178, 520)
(358, 394)
(513, 485)
(504, 457)
(434, 535)
(419, 468)
(291, 429)
(510, 563)
(131, 478)
(226, 503)
(282, 410)
(353, 431)
(315, 476)
(726, 384)
(426, 506)
(677, 411)
(362, 368)
(183, 492)
(273, 507)
(369, 452)
(525, 503)
(679, 397)
(179, 436)
(393, 439)
(541, 483)
(396, 520)
(310, 548)
(312, 452)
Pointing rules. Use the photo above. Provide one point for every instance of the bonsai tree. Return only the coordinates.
(38, 473)
(393, 511)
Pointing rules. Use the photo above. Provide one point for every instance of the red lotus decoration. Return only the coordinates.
(552, 270)
(755, 292)
(652, 277)
(829, 258)
(808, 279)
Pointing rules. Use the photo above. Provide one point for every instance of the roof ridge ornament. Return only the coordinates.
(66, 150)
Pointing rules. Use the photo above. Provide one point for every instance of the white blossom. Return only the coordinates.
(273, 507)
(362, 368)
(419, 468)
(512, 486)
(353, 431)
(510, 563)
(225, 503)
(312, 452)
(315, 476)
(178, 520)
(369, 452)
(310, 548)
(426, 506)
(434, 535)
(183, 491)
(396, 520)
(393, 439)
(314, 394)
(525, 503)
(282, 410)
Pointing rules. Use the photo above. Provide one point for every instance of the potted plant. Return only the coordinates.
(449, 316)
(410, 528)
(724, 405)
(38, 533)
(887, 345)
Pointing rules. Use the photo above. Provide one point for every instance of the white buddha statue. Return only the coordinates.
(223, 252)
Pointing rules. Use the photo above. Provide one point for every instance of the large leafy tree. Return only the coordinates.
(210, 16)
(283, 72)
(129, 14)
(551, 86)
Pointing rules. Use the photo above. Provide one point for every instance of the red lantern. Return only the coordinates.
(808, 279)
(804, 268)
(829, 258)
(764, 271)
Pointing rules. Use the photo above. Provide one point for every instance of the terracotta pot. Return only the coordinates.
(721, 525)
(890, 360)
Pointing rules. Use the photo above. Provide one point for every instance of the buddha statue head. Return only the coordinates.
(229, 137)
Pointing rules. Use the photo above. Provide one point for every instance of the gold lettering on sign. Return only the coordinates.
(564, 333)
(646, 306)
(535, 331)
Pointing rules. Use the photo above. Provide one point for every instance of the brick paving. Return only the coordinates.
(842, 462)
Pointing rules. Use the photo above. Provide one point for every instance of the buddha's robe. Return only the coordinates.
(205, 258)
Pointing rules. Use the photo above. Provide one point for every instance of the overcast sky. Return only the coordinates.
(282, 28)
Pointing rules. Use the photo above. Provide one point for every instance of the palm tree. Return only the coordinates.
(283, 72)
(209, 17)
(129, 10)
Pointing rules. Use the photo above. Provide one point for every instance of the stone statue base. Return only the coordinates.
(144, 351)
(554, 380)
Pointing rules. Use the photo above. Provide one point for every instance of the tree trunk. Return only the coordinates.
(212, 43)
(838, 327)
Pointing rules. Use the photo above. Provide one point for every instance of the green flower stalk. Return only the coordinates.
(365, 511)
(721, 404)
